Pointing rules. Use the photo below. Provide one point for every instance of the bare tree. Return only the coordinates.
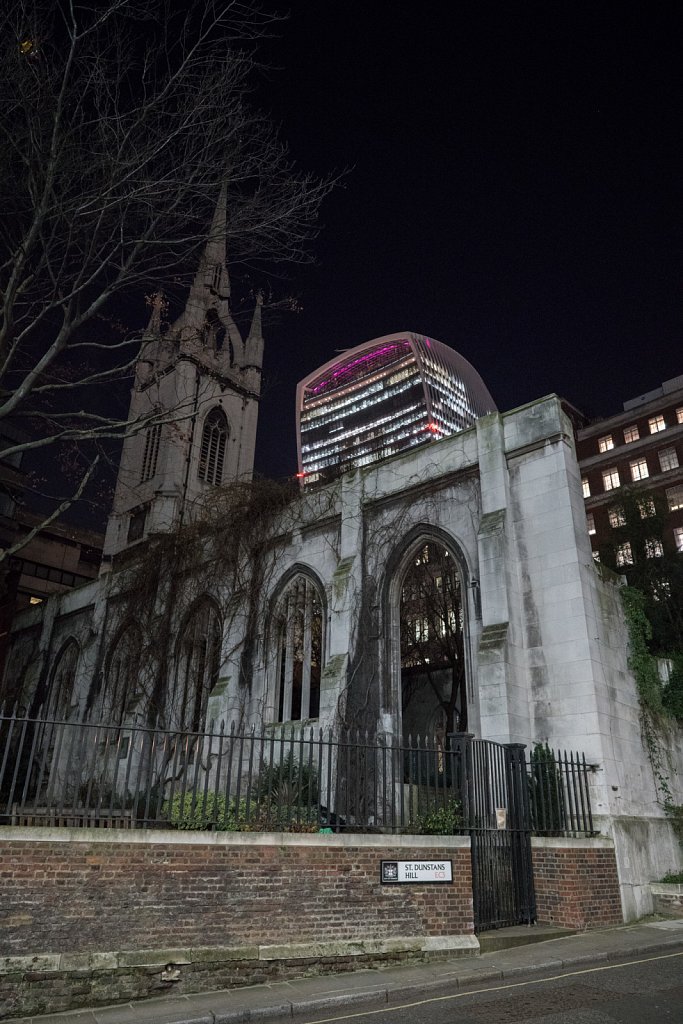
(118, 123)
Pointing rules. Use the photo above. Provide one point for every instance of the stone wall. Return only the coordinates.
(576, 881)
(88, 916)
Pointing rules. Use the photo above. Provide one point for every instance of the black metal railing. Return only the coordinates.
(282, 778)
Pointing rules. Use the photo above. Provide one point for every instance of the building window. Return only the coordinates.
(639, 470)
(679, 415)
(121, 690)
(646, 507)
(656, 423)
(596, 556)
(299, 637)
(586, 488)
(624, 554)
(605, 443)
(149, 458)
(631, 433)
(610, 478)
(678, 538)
(198, 664)
(668, 459)
(136, 524)
(212, 450)
(653, 548)
(674, 497)
(616, 518)
(590, 520)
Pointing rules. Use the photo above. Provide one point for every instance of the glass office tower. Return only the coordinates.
(382, 398)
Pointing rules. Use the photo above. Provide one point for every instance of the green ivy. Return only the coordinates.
(652, 707)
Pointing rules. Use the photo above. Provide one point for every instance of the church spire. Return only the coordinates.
(212, 273)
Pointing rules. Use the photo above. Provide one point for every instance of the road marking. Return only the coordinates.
(496, 988)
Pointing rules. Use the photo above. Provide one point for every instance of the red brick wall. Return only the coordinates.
(79, 897)
(576, 886)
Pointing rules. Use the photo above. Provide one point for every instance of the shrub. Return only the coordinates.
(209, 812)
(440, 821)
(673, 878)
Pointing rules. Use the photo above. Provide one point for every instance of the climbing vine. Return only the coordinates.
(653, 714)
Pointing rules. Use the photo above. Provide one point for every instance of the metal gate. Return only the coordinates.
(496, 811)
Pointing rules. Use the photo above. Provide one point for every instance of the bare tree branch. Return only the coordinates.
(118, 124)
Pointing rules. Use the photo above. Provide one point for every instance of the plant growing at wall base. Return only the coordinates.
(201, 812)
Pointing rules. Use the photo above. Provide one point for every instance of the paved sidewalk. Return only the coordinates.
(390, 986)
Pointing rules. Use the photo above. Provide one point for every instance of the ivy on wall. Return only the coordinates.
(653, 711)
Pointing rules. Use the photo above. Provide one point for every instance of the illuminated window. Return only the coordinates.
(610, 479)
(586, 488)
(639, 470)
(212, 450)
(605, 443)
(616, 518)
(646, 507)
(656, 423)
(674, 497)
(653, 548)
(590, 521)
(596, 556)
(678, 538)
(149, 458)
(631, 433)
(624, 554)
(668, 459)
(679, 415)
(35, 600)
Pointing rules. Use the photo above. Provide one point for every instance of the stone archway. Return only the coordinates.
(431, 620)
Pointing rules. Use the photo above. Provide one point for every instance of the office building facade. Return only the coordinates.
(382, 398)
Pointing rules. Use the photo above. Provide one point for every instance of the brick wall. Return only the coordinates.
(231, 909)
(576, 881)
(83, 896)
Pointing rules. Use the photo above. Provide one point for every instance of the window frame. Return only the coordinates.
(631, 434)
(656, 423)
(636, 467)
(610, 474)
(669, 455)
(605, 443)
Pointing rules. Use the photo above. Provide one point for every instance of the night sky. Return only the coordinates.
(513, 190)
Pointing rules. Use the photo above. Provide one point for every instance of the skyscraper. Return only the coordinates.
(381, 398)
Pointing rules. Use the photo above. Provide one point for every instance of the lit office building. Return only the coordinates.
(381, 398)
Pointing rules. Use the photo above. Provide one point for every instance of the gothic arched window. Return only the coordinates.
(61, 698)
(212, 449)
(121, 684)
(198, 664)
(299, 639)
(431, 618)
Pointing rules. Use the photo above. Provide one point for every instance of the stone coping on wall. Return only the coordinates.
(568, 843)
(48, 963)
(50, 834)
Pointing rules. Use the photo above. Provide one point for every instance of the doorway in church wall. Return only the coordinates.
(432, 645)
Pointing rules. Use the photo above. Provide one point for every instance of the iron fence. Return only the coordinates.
(282, 778)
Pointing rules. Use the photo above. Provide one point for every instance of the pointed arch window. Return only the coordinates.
(212, 449)
(121, 687)
(197, 666)
(432, 648)
(299, 639)
(61, 696)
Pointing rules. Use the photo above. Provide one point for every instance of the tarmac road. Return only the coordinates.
(644, 990)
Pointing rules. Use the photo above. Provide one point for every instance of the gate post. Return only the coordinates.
(519, 825)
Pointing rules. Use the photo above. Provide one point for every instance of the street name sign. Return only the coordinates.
(416, 872)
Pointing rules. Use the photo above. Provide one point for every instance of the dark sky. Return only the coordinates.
(514, 191)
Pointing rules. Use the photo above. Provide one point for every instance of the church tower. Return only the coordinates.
(197, 388)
